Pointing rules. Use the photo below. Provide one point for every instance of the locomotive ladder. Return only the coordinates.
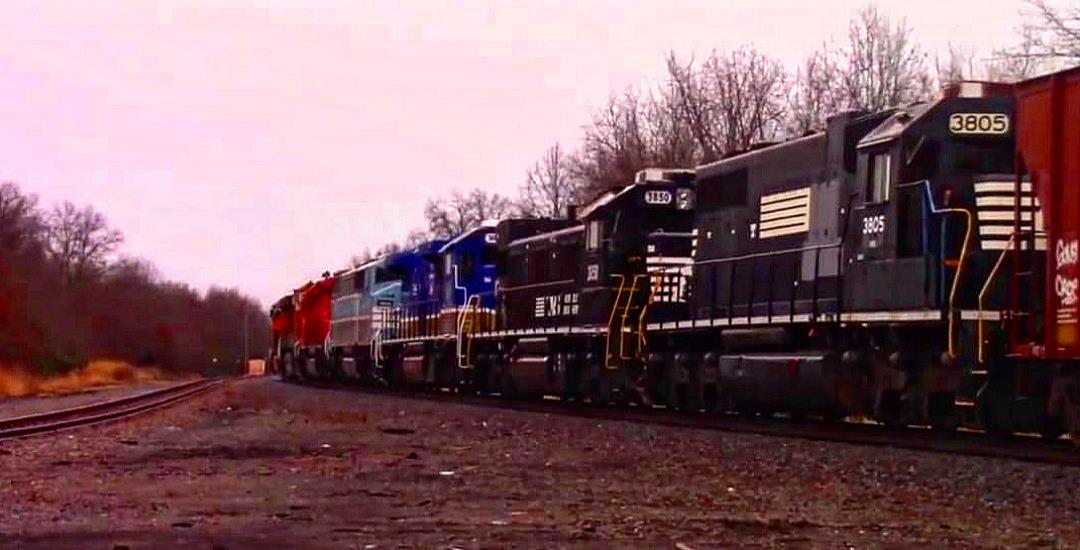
(623, 324)
(609, 356)
(466, 326)
(630, 325)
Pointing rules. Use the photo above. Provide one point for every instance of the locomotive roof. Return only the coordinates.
(605, 199)
(656, 176)
(549, 235)
(709, 167)
(484, 225)
(895, 125)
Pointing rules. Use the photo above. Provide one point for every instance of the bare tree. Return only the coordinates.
(1018, 62)
(668, 133)
(80, 241)
(748, 89)
(614, 147)
(463, 211)
(694, 106)
(549, 190)
(416, 237)
(881, 66)
(413, 239)
(814, 96)
(731, 100)
(1049, 39)
(20, 221)
(958, 64)
(1055, 32)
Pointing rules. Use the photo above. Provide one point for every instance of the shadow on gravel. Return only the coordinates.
(124, 540)
(217, 452)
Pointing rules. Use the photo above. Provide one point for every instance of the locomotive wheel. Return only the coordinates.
(508, 388)
(992, 411)
(1052, 428)
(711, 398)
(302, 366)
(891, 410)
(943, 415)
(337, 367)
(599, 391)
(286, 366)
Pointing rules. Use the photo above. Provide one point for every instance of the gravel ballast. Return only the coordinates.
(262, 464)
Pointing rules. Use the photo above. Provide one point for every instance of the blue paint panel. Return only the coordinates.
(468, 269)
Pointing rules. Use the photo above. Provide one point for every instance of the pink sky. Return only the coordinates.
(258, 144)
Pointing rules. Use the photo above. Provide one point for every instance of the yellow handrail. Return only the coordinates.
(643, 343)
(956, 276)
(625, 314)
(985, 289)
(611, 319)
(466, 322)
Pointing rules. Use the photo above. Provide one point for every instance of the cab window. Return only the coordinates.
(468, 265)
(488, 255)
(594, 234)
(880, 176)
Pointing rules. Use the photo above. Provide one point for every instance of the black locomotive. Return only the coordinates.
(846, 272)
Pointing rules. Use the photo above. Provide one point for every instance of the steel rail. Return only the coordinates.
(103, 411)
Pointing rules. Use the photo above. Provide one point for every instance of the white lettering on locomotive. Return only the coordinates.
(592, 273)
(873, 224)
(993, 124)
(555, 305)
(658, 196)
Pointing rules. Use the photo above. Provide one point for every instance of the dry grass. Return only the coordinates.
(17, 382)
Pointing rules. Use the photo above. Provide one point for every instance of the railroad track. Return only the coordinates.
(113, 409)
(962, 442)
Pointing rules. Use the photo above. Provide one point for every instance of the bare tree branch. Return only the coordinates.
(549, 190)
(80, 241)
(881, 66)
(1049, 39)
(463, 211)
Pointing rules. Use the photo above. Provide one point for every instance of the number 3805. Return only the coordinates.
(979, 123)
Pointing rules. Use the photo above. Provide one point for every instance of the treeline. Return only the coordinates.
(67, 297)
(727, 101)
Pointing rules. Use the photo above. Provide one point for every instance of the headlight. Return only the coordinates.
(684, 199)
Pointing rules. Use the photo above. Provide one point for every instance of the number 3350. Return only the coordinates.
(979, 123)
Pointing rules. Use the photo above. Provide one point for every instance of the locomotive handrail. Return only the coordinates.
(465, 320)
(718, 307)
(729, 259)
(611, 319)
(626, 314)
(981, 353)
(959, 262)
(537, 285)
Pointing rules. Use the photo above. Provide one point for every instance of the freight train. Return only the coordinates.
(911, 266)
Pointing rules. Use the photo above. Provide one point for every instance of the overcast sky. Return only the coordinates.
(258, 144)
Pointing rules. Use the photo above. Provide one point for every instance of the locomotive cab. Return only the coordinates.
(917, 173)
(469, 272)
(637, 249)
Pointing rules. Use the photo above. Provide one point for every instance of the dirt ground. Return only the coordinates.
(262, 464)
